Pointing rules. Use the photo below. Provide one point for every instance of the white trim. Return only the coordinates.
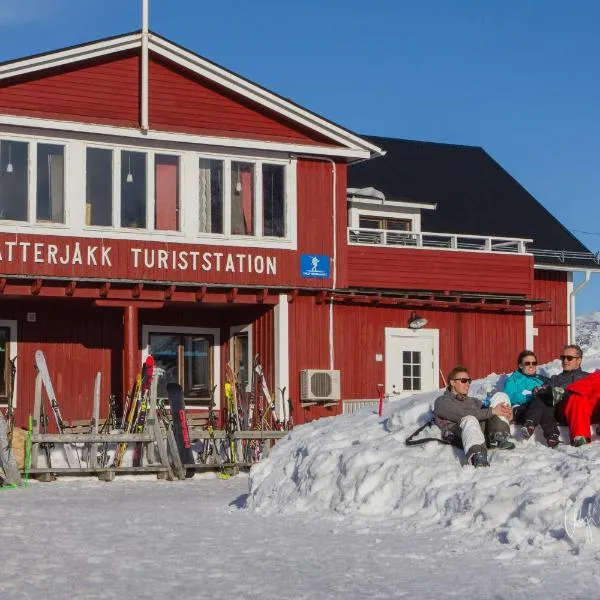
(354, 199)
(12, 353)
(69, 55)
(282, 352)
(433, 334)
(185, 138)
(565, 269)
(243, 329)
(215, 332)
(530, 331)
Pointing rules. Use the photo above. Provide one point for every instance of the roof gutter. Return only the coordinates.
(572, 294)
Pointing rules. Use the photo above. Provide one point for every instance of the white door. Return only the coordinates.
(411, 361)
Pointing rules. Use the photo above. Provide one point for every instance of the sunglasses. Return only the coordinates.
(568, 357)
(529, 363)
(463, 379)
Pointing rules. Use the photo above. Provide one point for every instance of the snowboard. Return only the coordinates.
(180, 428)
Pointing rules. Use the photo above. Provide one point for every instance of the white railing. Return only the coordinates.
(439, 241)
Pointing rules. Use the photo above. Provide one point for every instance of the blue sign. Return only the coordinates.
(315, 265)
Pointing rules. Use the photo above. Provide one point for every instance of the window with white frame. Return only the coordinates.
(8, 354)
(49, 181)
(187, 357)
(14, 174)
(384, 223)
(240, 355)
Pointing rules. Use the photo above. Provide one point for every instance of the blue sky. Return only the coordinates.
(518, 77)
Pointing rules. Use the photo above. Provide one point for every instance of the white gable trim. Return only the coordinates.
(354, 146)
(183, 138)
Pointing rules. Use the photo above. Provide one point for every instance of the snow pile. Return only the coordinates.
(358, 465)
(588, 332)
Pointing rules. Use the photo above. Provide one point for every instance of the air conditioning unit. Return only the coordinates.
(318, 385)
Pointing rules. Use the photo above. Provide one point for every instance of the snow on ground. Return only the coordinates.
(341, 509)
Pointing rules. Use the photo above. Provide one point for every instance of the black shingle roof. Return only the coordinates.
(474, 194)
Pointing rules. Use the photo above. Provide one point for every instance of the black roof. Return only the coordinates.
(473, 193)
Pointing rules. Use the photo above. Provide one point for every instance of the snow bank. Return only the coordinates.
(359, 465)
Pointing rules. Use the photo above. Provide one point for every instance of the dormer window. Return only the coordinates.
(384, 223)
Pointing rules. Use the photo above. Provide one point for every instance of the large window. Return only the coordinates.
(14, 171)
(166, 192)
(50, 199)
(133, 189)
(187, 359)
(99, 187)
(273, 179)
(210, 178)
(242, 198)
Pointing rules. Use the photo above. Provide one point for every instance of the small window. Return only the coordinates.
(99, 187)
(385, 223)
(50, 183)
(411, 371)
(133, 190)
(242, 198)
(241, 358)
(274, 200)
(14, 171)
(188, 360)
(211, 196)
(166, 192)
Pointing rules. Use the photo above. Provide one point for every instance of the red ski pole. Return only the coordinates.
(380, 391)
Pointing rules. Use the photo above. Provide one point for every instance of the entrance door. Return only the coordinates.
(411, 361)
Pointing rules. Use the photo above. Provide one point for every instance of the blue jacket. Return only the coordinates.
(518, 386)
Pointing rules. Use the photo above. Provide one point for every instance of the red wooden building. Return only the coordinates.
(152, 201)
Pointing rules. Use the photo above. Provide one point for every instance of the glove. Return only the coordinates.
(558, 394)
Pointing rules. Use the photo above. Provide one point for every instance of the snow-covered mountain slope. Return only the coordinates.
(359, 466)
(588, 332)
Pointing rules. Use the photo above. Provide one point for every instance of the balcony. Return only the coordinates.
(437, 241)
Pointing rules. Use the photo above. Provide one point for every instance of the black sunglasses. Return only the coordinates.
(463, 379)
(529, 363)
(568, 357)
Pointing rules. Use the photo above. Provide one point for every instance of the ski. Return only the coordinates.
(143, 411)
(180, 427)
(42, 367)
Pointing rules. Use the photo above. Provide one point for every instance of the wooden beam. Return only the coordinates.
(320, 297)
(2, 284)
(36, 286)
(70, 289)
(232, 294)
(292, 296)
(261, 295)
(124, 303)
(169, 292)
(137, 290)
(104, 289)
(201, 293)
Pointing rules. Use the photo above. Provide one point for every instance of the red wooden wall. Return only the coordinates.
(107, 91)
(553, 318)
(441, 270)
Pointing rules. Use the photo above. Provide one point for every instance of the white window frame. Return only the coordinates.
(243, 329)
(11, 325)
(406, 214)
(214, 332)
(189, 155)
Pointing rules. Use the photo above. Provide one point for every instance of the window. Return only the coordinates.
(273, 200)
(240, 350)
(14, 167)
(5, 366)
(166, 192)
(99, 187)
(133, 189)
(411, 371)
(186, 359)
(242, 198)
(50, 200)
(211, 196)
(384, 223)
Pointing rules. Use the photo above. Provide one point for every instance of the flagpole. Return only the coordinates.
(144, 69)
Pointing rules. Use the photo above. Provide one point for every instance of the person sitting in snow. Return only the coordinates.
(576, 394)
(463, 420)
(530, 409)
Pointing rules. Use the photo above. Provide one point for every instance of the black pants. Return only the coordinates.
(540, 413)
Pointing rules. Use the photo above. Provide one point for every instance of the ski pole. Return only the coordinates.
(380, 407)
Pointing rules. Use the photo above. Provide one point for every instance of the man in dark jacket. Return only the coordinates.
(462, 419)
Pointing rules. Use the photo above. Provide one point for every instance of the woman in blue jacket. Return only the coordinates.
(521, 387)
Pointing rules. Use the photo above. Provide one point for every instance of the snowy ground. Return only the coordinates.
(341, 509)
